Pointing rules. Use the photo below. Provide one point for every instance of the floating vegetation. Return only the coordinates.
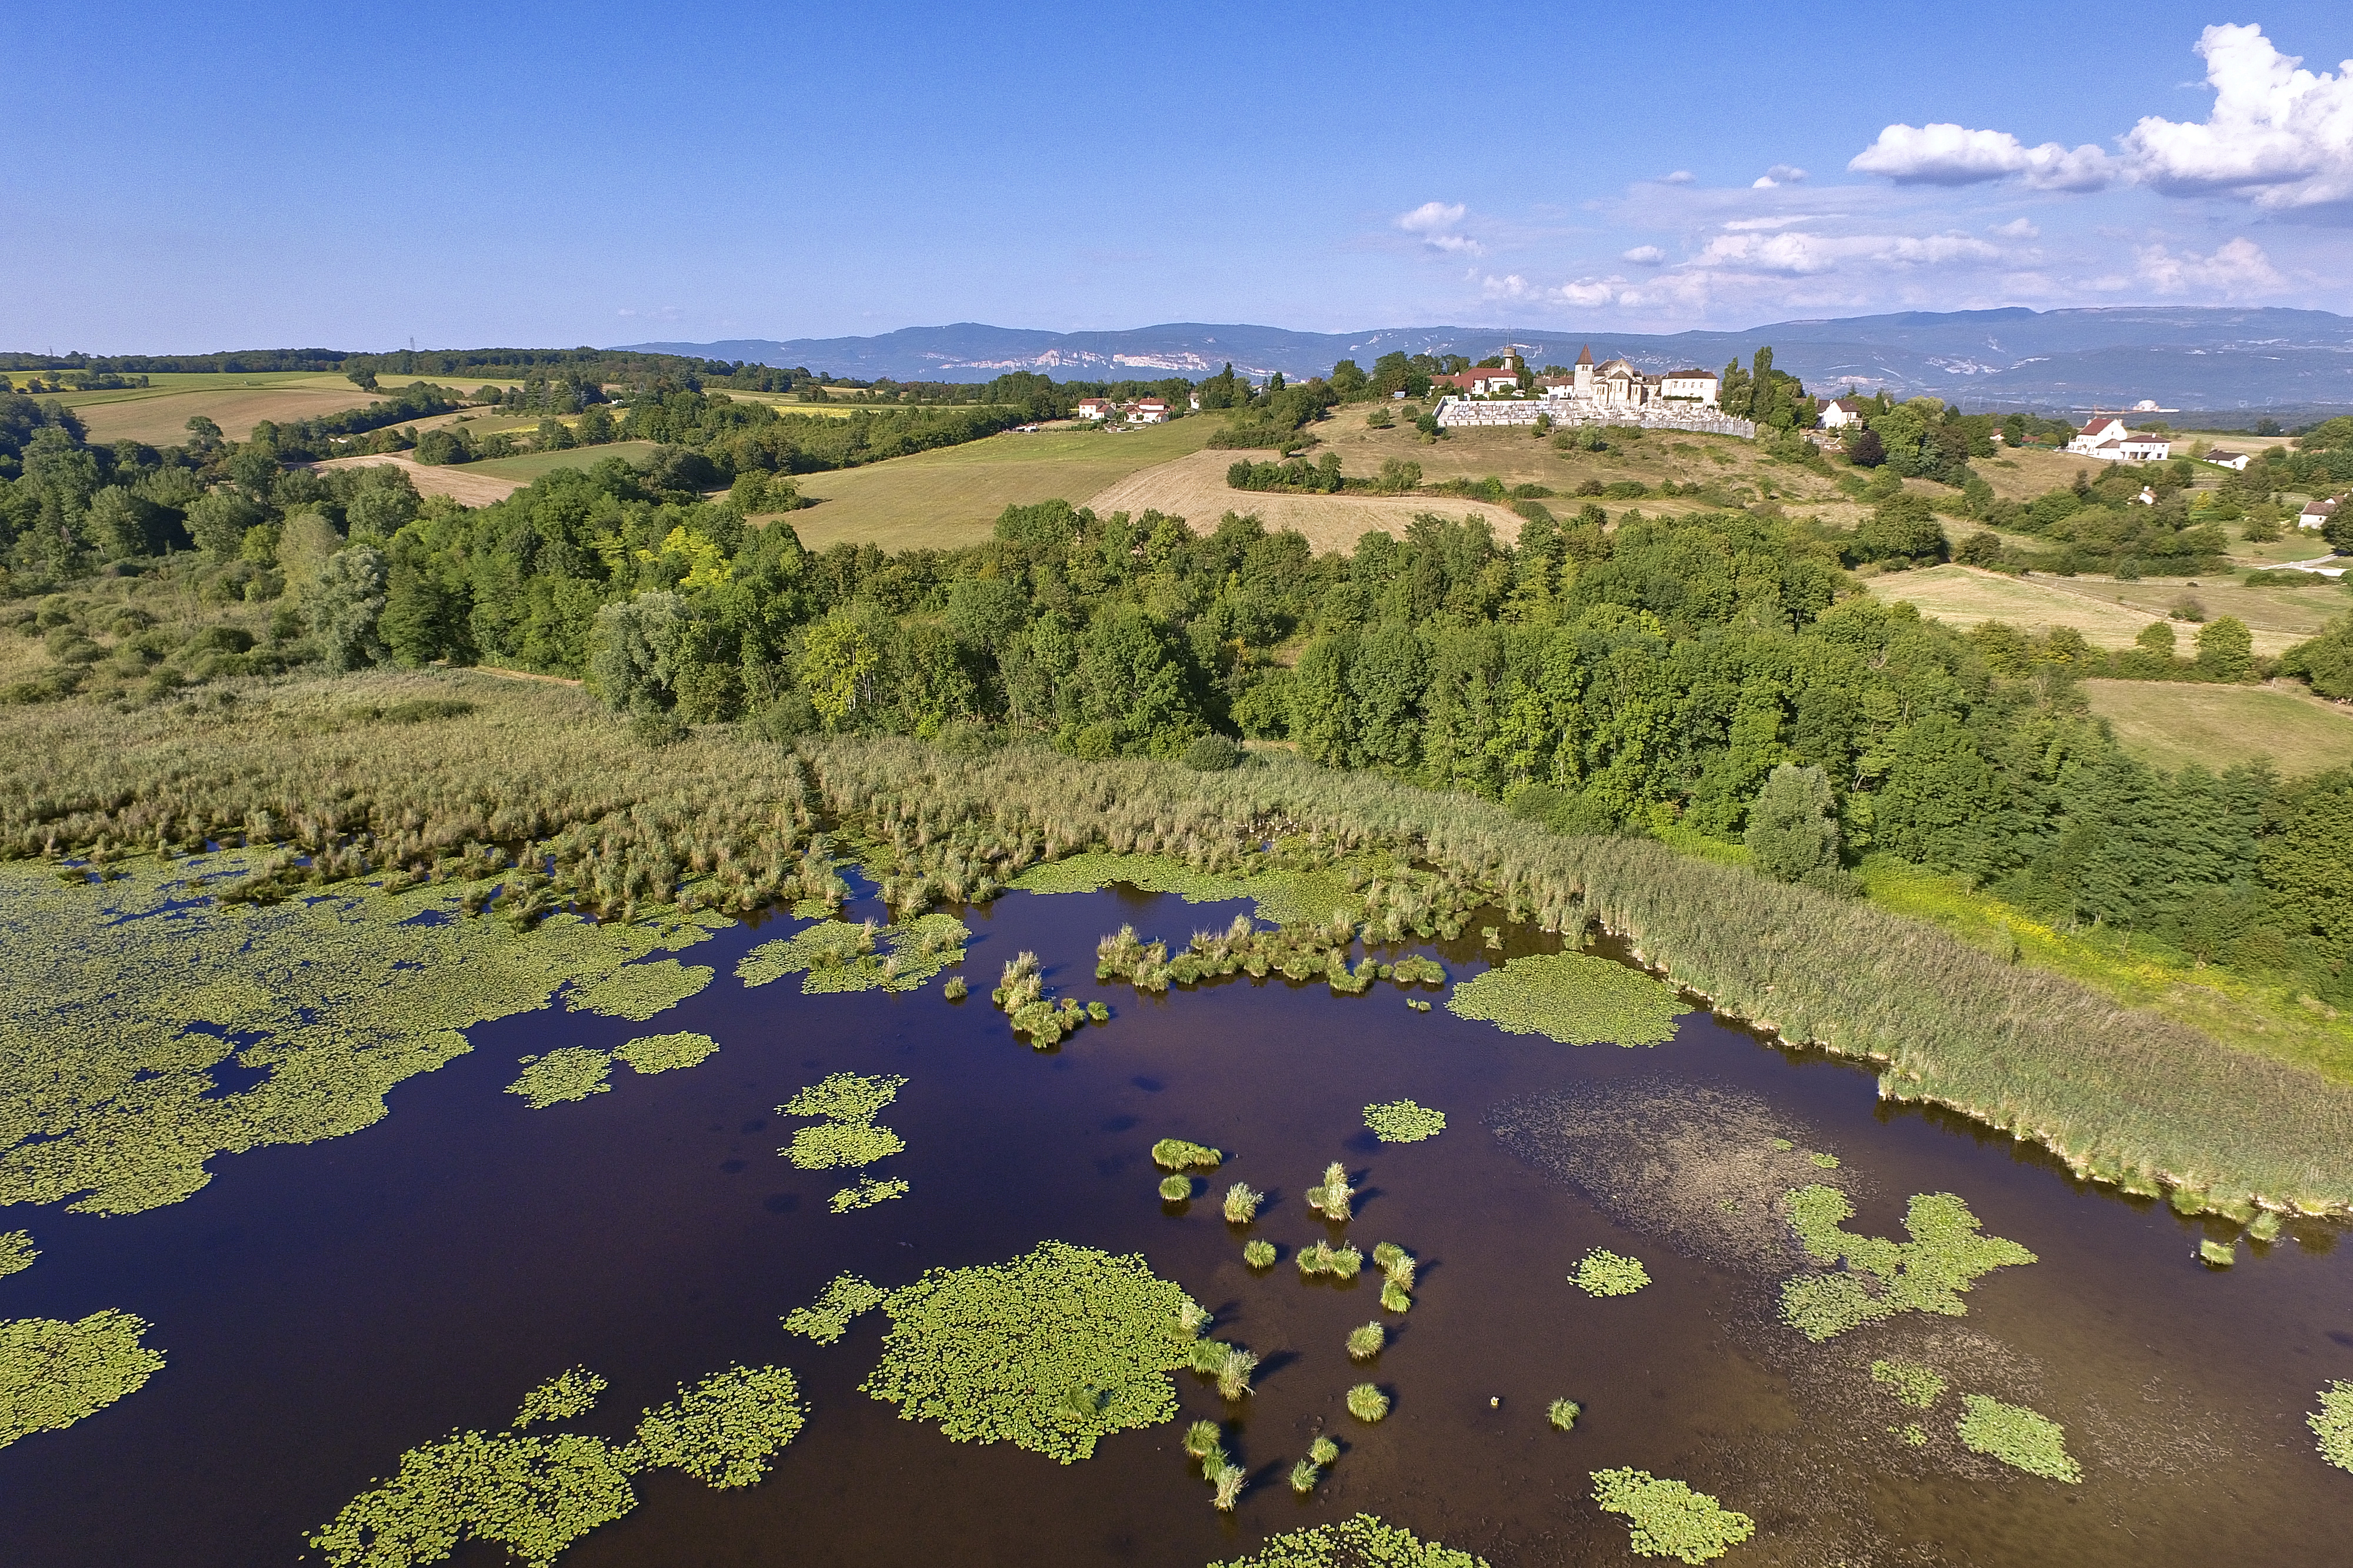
(1403, 1121)
(1321, 1258)
(667, 1053)
(144, 980)
(830, 1144)
(1782, 1145)
(827, 1318)
(1201, 1439)
(52, 1373)
(836, 957)
(726, 1429)
(1241, 1203)
(16, 1251)
(989, 1353)
(1879, 1278)
(1912, 1384)
(1826, 1162)
(2018, 1437)
(1364, 1542)
(639, 991)
(1366, 1343)
(1282, 896)
(1602, 1272)
(567, 1073)
(1418, 1006)
(2332, 1423)
(1366, 1401)
(2217, 1254)
(844, 1097)
(1330, 1198)
(1572, 998)
(1177, 1154)
(1912, 1435)
(867, 1193)
(1563, 1413)
(567, 1394)
(1175, 1189)
(1259, 1254)
(1667, 1519)
(537, 1495)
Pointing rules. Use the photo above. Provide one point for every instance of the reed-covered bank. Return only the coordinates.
(535, 780)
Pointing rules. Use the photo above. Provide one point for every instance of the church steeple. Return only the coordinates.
(1585, 355)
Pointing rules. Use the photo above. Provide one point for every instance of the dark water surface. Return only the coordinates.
(324, 1308)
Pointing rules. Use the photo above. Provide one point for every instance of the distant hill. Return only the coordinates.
(2183, 357)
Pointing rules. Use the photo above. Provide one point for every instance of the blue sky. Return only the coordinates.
(187, 178)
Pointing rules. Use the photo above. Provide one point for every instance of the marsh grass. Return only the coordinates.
(1323, 1451)
(1367, 1403)
(1201, 1438)
(1234, 1374)
(1563, 1413)
(1178, 1154)
(1366, 1343)
(1395, 1298)
(1303, 1476)
(2018, 1437)
(1241, 1203)
(2217, 1254)
(1667, 1519)
(1259, 1254)
(1342, 1262)
(1228, 1482)
(1175, 1189)
(1330, 1198)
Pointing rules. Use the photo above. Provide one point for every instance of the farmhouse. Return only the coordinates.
(1485, 381)
(2105, 437)
(1149, 411)
(2234, 461)
(1841, 412)
(1094, 409)
(2316, 513)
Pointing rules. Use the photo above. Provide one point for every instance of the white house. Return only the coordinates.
(1094, 409)
(2234, 461)
(1150, 411)
(2317, 514)
(1840, 412)
(2105, 437)
(1690, 387)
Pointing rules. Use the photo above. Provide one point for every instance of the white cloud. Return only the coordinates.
(1799, 254)
(1510, 287)
(1435, 222)
(1588, 292)
(2279, 136)
(1945, 154)
(1679, 177)
(1645, 256)
(2016, 228)
(1743, 225)
(2237, 267)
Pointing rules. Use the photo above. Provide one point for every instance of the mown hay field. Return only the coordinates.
(159, 414)
(1966, 595)
(2171, 724)
(1194, 488)
(530, 466)
(463, 483)
(949, 498)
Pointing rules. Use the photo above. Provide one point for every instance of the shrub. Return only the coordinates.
(1793, 824)
(1213, 754)
(1368, 1403)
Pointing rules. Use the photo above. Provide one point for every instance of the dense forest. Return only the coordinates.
(1714, 673)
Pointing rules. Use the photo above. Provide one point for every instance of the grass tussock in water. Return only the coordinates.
(1563, 1414)
(1021, 995)
(1259, 1254)
(1403, 1121)
(1571, 998)
(1241, 1203)
(2332, 1423)
(1875, 1278)
(2018, 1437)
(1330, 1196)
(989, 1353)
(1366, 1342)
(1178, 1154)
(1602, 1272)
(537, 1494)
(1175, 1189)
(1364, 1542)
(1367, 1403)
(1667, 1519)
(1342, 1262)
(829, 1317)
(1202, 1438)
(53, 1374)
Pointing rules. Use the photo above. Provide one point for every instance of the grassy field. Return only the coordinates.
(949, 498)
(2174, 724)
(531, 465)
(159, 414)
(462, 483)
(1965, 595)
(1195, 489)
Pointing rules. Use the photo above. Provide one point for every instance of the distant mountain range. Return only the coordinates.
(2183, 357)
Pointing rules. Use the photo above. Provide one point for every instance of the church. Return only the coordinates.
(1616, 383)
